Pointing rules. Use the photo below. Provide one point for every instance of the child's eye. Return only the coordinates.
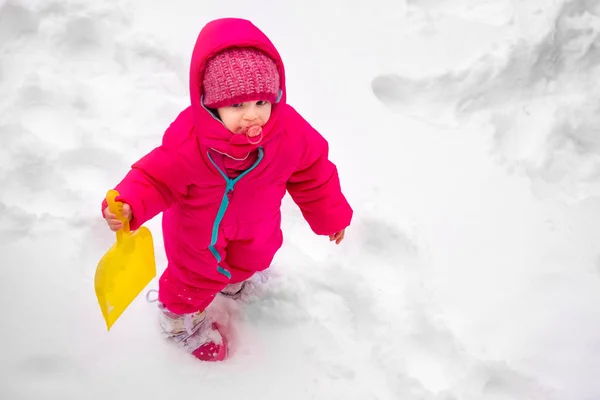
(237, 105)
(262, 102)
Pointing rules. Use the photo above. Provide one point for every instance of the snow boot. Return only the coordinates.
(195, 333)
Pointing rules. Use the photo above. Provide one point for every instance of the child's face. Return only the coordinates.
(239, 117)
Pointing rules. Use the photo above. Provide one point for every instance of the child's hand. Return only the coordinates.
(338, 237)
(113, 222)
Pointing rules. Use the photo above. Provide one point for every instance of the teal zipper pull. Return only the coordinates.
(230, 185)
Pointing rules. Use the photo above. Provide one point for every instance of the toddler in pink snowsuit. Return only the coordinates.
(219, 177)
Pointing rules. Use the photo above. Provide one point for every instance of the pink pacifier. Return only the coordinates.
(252, 132)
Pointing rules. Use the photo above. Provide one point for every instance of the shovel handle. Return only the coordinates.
(116, 207)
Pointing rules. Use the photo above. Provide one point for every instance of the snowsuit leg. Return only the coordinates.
(185, 290)
(245, 257)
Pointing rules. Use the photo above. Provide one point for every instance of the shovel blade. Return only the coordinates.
(124, 271)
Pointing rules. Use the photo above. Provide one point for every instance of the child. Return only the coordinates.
(219, 177)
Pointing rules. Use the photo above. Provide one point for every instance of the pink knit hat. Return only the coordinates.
(239, 74)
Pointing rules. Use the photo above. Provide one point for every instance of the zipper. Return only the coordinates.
(229, 188)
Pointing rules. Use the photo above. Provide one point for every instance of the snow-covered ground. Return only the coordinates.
(467, 134)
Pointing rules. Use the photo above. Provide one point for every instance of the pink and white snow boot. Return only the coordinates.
(195, 334)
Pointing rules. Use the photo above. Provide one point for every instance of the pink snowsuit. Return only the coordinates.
(219, 229)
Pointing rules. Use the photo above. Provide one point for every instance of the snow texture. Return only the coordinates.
(466, 135)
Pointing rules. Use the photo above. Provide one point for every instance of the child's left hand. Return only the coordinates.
(338, 237)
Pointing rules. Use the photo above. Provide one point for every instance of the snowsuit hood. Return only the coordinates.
(215, 37)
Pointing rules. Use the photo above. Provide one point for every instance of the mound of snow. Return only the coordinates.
(538, 89)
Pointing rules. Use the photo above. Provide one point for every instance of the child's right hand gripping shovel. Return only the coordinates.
(126, 268)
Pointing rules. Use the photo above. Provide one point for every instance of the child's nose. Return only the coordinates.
(250, 115)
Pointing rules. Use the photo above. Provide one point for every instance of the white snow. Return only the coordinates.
(467, 136)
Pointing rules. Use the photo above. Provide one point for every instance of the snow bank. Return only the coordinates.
(538, 89)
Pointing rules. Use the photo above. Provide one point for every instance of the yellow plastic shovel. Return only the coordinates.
(126, 268)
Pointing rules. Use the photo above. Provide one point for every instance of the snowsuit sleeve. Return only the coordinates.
(315, 185)
(154, 182)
